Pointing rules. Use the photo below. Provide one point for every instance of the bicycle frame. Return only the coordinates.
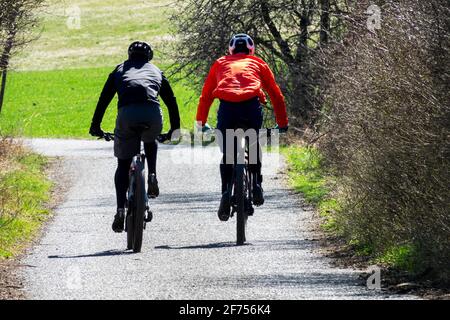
(249, 177)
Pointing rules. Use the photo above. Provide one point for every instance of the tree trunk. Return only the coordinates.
(302, 70)
(324, 21)
(2, 89)
(4, 64)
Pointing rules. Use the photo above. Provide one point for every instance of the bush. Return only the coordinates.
(387, 117)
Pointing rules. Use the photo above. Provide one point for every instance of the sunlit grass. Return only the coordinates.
(106, 29)
(60, 103)
(25, 191)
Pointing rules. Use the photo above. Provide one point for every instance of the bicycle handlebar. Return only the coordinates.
(110, 137)
(107, 136)
(163, 137)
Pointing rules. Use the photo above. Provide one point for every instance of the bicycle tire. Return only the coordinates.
(140, 207)
(129, 229)
(129, 226)
(241, 215)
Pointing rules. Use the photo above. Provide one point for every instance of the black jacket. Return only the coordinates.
(137, 82)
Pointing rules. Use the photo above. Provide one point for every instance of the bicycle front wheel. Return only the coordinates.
(239, 189)
(140, 207)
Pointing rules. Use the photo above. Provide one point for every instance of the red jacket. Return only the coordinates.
(241, 77)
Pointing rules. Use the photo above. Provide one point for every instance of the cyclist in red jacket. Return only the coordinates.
(238, 81)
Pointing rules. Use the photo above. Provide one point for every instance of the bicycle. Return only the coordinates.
(241, 188)
(137, 201)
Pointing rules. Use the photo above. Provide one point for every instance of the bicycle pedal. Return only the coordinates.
(149, 217)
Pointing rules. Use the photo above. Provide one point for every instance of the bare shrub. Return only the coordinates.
(386, 112)
(18, 18)
(288, 34)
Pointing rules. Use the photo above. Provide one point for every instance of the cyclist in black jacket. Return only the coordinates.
(138, 84)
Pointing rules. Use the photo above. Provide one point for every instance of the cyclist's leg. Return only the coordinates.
(126, 140)
(126, 146)
(142, 121)
(254, 116)
(121, 180)
(154, 122)
(151, 152)
(226, 118)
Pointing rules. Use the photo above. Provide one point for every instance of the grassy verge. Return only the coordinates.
(24, 191)
(308, 176)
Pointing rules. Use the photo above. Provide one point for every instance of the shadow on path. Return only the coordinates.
(260, 245)
(202, 246)
(106, 253)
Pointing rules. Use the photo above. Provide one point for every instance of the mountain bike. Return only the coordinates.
(137, 201)
(241, 188)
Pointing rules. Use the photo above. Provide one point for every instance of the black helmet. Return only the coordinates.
(139, 50)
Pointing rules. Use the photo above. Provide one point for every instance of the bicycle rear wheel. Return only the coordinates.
(140, 207)
(239, 189)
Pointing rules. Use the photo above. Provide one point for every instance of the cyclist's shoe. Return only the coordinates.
(258, 195)
(248, 207)
(224, 208)
(153, 189)
(119, 220)
(149, 216)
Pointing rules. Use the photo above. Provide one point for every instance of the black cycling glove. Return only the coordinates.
(96, 131)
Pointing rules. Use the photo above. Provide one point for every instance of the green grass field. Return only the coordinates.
(55, 83)
(60, 103)
(106, 29)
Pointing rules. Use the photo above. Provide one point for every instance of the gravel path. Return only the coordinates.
(187, 252)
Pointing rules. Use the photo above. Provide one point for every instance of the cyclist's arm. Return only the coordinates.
(108, 92)
(206, 99)
(170, 101)
(271, 87)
